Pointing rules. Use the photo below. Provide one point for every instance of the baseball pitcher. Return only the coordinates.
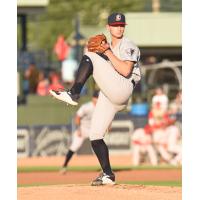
(115, 69)
(157, 119)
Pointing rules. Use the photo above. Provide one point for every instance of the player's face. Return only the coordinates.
(117, 30)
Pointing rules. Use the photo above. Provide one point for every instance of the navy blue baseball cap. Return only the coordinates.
(116, 19)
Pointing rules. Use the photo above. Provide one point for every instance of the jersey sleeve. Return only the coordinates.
(130, 52)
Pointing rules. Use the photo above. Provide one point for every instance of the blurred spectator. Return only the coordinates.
(55, 82)
(150, 60)
(157, 120)
(32, 75)
(61, 48)
(174, 130)
(43, 85)
(174, 143)
(175, 107)
(68, 70)
(142, 143)
(160, 97)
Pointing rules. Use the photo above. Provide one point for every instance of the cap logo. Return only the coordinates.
(118, 17)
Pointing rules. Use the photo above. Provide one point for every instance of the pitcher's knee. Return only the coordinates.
(96, 56)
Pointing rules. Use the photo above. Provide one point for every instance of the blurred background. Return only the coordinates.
(51, 36)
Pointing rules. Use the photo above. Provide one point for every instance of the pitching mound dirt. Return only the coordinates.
(86, 192)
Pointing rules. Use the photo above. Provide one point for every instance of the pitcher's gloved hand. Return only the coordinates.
(97, 44)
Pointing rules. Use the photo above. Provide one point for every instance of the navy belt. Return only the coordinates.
(133, 83)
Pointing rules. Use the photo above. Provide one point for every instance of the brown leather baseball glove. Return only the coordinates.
(97, 44)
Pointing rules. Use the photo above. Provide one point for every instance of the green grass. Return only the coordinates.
(37, 184)
(54, 168)
(152, 183)
(91, 168)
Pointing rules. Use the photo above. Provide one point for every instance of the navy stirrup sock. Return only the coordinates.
(101, 151)
(84, 71)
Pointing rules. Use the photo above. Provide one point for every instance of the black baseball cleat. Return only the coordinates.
(104, 179)
(65, 96)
